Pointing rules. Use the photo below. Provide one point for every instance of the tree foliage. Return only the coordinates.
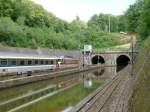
(24, 23)
(102, 22)
(138, 18)
(6, 8)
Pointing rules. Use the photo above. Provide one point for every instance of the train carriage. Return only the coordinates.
(15, 60)
(69, 60)
(25, 63)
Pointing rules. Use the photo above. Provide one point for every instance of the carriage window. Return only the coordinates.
(36, 62)
(50, 62)
(42, 62)
(46, 62)
(22, 62)
(29, 62)
(12, 62)
(3, 62)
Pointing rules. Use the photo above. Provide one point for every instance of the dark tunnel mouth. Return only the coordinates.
(122, 61)
(98, 59)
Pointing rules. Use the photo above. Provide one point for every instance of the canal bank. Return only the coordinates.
(29, 79)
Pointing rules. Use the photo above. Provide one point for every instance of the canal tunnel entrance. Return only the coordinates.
(122, 61)
(98, 59)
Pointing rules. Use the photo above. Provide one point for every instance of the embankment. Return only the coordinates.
(140, 101)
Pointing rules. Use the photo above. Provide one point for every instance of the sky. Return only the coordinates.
(69, 9)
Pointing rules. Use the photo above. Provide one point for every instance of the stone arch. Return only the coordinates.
(122, 61)
(98, 59)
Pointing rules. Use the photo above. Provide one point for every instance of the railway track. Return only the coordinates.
(100, 100)
(124, 97)
(117, 100)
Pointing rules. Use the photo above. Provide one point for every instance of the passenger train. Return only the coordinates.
(26, 63)
(21, 63)
(69, 60)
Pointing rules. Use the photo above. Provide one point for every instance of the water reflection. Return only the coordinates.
(88, 83)
(86, 77)
(99, 72)
(102, 73)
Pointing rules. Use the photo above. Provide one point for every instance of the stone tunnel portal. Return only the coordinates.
(98, 59)
(122, 61)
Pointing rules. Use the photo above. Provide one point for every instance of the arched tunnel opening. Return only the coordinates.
(122, 62)
(98, 59)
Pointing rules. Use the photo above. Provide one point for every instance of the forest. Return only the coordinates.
(138, 18)
(24, 23)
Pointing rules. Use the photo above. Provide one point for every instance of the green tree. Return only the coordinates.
(6, 8)
(79, 25)
(9, 31)
(138, 18)
(101, 22)
(121, 23)
(24, 23)
(34, 15)
(144, 19)
(132, 15)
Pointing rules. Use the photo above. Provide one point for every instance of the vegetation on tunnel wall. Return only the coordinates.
(140, 101)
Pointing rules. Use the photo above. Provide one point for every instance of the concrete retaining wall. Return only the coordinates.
(25, 80)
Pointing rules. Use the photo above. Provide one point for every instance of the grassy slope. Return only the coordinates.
(141, 97)
(63, 99)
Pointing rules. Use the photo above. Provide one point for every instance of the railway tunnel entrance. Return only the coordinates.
(122, 61)
(98, 59)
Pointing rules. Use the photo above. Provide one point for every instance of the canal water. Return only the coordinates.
(104, 74)
(101, 73)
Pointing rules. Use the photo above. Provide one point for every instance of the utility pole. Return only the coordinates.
(98, 57)
(80, 51)
(109, 22)
(132, 55)
(83, 58)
